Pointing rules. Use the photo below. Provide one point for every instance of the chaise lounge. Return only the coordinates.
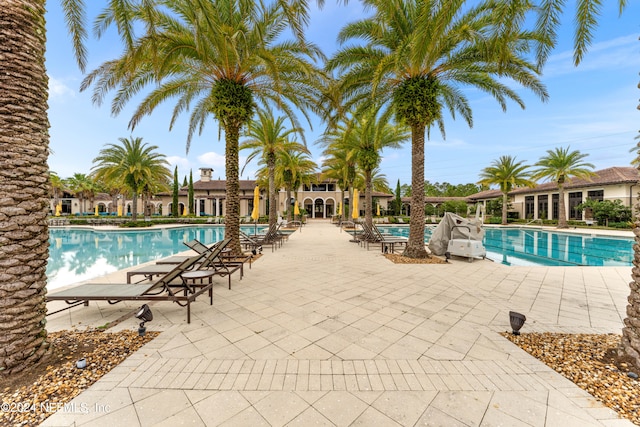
(164, 289)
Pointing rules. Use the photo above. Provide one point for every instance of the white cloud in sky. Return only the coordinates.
(181, 162)
(58, 90)
(615, 53)
(212, 159)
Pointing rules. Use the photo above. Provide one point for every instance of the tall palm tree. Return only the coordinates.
(134, 165)
(560, 166)
(24, 186)
(417, 55)
(82, 186)
(507, 174)
(294, 169)
(57, 187)
(215, 58)
(340, 162)
(267, 137)
(369, 135)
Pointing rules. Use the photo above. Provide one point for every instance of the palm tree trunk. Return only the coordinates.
(562, 213)
(24, 186)
(232, 217)
(287, 203)
(273, 201)
(505, 203)
(415, 245)
(368, 199)
(134, 206)
(630, 342)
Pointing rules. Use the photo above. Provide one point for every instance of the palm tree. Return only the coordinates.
(24, 187)
(134, 165)
(82, 186)
(57, 187)
(417, 54)
(560, 166)
(369, 135)
(294, 169)
(507, 174)
(267, 137)
(220, 58)
(339, 163)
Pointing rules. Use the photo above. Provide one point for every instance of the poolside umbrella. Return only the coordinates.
(296, 210)
(378, 211)
(255, 214)
(339, 208)
(96, 211)
(58, 209)
(184, 211)
(120, 210)
(355, 214)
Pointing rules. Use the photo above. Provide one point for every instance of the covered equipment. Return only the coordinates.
(458, 236)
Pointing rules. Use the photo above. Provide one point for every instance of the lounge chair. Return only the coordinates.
(211, 261)
(388, 242)
(196, 245)
(161, 290)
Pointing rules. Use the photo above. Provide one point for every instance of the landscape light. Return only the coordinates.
(517, 321)
(145, 315)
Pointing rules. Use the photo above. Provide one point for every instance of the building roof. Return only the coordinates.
(609, 176)
(221, 185)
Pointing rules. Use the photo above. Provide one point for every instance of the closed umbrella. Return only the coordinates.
(255, 214)
(58, 209)
(95, 210)
(120, 210)
(296, 209)
(356, 213)
(339, 208)
(378, 211)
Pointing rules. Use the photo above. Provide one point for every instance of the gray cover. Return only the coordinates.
(454, 226)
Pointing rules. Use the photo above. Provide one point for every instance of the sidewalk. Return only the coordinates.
(324, 332)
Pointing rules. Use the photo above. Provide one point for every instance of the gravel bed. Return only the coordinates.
(592, 363)
(31, 396)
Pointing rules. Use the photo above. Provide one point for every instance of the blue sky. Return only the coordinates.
(592, 108)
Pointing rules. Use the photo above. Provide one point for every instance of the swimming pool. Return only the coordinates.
(82, 254)
(523, 246)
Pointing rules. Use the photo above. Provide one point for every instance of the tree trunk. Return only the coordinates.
(134, 206)
(24, 184)
(562, 213)
(232, 217)
(273, 201)
(287, 204)
(630, 342)
(415, 245)
(505, 203)
(368, 199)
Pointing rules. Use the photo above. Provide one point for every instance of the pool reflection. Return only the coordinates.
(81, 254)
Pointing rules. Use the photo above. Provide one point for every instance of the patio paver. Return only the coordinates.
(324, 332)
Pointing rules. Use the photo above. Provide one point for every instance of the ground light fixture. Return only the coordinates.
(144, 314)
(517, 321)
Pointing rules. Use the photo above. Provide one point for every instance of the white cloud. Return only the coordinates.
(58, 90)
(180, 162)
(617, 53)
(212, 159)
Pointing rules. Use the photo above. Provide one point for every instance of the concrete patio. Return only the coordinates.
(324, 332)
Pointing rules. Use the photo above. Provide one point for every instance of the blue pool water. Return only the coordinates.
(518, 246)
(81, 254)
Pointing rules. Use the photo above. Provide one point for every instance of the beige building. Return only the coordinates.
(542, 202)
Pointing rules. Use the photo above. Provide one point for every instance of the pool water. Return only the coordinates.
(82, 254)
(518, 246)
